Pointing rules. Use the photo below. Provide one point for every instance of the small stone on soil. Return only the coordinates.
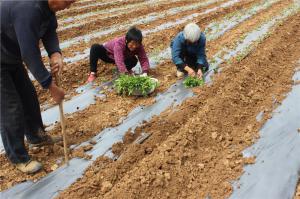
(54, 167)
(106, 186)
(214, 135)
(93, 142)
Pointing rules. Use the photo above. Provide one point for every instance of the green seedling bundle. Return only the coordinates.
(191, 82)
(135, 85)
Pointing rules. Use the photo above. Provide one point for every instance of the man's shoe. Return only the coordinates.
(179, 74)
(29, 167)
(92, 77)
(46, 140)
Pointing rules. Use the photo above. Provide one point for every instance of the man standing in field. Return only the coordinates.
(23, 25)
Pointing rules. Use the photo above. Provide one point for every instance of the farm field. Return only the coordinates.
(237, 136)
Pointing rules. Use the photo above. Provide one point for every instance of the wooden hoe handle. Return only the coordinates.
(63, 124)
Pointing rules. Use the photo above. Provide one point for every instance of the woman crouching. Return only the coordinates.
(123, 51)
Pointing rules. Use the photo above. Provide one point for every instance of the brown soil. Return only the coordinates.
(82, 130)
(71, 12)
(297, 194)
(75, 74)
(81, 3)
(115, 107)
(73, 80)
(70, 52)
(98, 24)
(163, 72)
(195, 151)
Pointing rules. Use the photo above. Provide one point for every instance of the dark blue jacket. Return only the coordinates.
(23, 24)
(181, 48)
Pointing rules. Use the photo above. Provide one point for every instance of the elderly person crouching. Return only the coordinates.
(188, 52)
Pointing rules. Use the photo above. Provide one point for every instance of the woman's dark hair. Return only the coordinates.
(134, 34)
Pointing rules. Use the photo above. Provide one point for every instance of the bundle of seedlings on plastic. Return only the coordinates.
(135, 85)
(190, 82)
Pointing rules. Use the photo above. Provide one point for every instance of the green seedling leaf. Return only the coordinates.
(128, 85)
(190, 82)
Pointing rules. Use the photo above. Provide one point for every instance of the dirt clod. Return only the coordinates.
(106, 186)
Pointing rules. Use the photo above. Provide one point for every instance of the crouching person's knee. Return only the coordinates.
(131, 62)
(95, 48)
(180, 70)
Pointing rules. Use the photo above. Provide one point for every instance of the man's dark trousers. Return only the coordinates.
(20, 112)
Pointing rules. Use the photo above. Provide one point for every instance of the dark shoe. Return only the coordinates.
(46, 140)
